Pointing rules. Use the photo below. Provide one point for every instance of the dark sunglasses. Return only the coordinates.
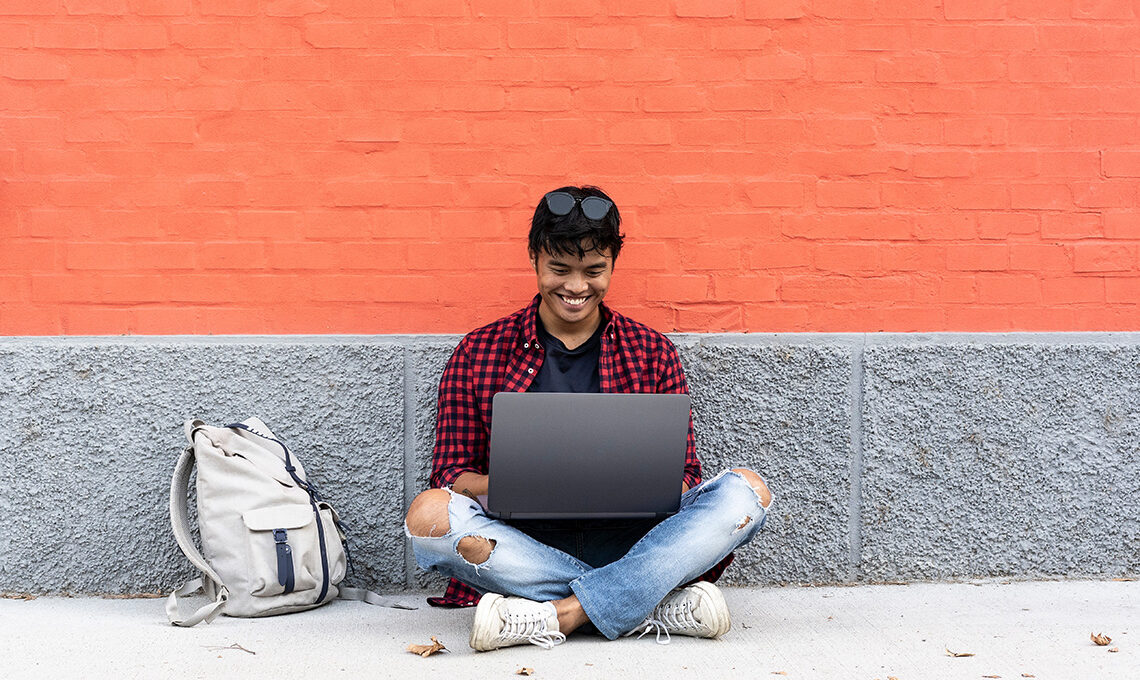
(593, 207)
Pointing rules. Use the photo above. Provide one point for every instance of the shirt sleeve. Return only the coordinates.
(673, 382)
(460, 438)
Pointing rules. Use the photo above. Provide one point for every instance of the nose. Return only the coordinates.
(576, 283)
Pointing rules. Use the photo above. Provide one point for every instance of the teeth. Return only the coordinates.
(575, 301)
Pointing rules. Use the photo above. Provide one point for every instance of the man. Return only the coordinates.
(543, 580)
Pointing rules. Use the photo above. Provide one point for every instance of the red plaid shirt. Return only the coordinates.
(505, 357)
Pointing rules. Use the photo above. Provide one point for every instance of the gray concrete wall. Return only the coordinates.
(893, 457)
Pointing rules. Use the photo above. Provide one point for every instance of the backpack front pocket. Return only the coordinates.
(281, 539)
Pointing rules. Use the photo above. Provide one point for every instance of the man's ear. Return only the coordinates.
(533, 259)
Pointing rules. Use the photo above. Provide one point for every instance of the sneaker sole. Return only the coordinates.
(486, 618)
(717, 606)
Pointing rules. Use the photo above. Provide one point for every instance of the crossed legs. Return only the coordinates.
(429, 524)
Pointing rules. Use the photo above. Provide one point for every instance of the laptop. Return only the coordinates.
(585, 456)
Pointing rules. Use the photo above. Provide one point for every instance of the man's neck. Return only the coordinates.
(571, 335)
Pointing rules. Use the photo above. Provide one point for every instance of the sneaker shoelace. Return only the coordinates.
(676, 616)
(529, 627)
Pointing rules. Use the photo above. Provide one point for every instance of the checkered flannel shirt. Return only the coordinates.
(505, 357)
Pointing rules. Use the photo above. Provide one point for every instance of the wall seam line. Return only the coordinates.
(855, 502)
(409, 457)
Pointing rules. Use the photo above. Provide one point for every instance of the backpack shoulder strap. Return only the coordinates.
(180, 523)
(369, 597)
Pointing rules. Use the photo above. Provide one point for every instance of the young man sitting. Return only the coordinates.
(544, 579)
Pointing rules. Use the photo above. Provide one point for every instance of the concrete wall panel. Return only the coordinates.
(891, 457)
(1001, 460)
(94, 430)
(783, 410)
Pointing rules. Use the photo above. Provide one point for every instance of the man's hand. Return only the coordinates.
(470, 484)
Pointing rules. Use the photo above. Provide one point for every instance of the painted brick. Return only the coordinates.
(976, 132)
(750, 38)
(741, 98)
(1121, 225)
(1040, 258)
(973, 196)
(835, 194)
(39, 66)
(775, 67)
(843, 9)
(977, 257)
(916, 69)
(705, 8)
(1004, 224)
(607, 38)
(672, 99)
(842, 132)
(135, 37)
(775, 194)
(775, 9)
(1104, 132)
(109, 7)
(1104, 257)
(1041, 196)
(842, 69)
(1121, 163)
(722, 255)
(907, 134)
(1103, 9)
(1104, 194)
(942, 164)
(1074, 290)
(848, 258)
(1072, 226)
(29, 7)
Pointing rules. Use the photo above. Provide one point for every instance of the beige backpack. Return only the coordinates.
(271, 545)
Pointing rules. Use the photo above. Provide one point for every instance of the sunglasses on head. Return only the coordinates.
(593, 207)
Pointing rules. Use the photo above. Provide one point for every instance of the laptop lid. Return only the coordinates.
(564, 455)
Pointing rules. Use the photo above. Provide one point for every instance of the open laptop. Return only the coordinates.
(564, 455)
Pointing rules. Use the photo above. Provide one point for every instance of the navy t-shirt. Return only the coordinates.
(597, 542)
(568, 370)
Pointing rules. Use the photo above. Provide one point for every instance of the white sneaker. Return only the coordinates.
(698, 610)
(505, 621)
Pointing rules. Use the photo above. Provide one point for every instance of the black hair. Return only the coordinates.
(574, 233)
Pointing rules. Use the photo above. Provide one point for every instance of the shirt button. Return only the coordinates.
(530, 370)
(527, 345)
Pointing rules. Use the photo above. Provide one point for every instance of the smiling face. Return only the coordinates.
(572, 288)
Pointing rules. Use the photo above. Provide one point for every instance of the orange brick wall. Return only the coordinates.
(370, 166)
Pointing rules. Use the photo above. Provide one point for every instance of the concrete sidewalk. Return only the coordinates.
(1014, 630)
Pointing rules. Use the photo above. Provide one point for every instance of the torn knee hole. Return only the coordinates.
(475, 549)
(743, 523)
(433, 532)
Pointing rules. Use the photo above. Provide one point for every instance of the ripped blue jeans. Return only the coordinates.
(714, 519)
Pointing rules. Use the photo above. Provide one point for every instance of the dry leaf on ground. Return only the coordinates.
(525, 671)
(891, 677)
(1100, 639)
(957, 654)
(17, 596)
(1028, 675)
(1114, 649)
(427, 650)
(215, 648)
(991, 676)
